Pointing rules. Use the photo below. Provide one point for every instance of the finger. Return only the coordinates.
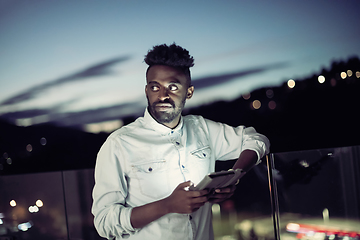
(226, 189)
(199, 200)
(198, 193)
(222, 190)
(183, 185)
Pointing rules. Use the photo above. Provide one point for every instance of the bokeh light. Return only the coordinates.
(246, 96)
(272, 105)
(29, 148)
(256, 104)
(270, 93)
(24, 226)
(215, 209)
(321, 79)
(39, 203)
(349, 73)
(13, 203)
(292, 227)
(43, 141)
(343, 75)
(357, 74)
(33, 209)
(291, 83)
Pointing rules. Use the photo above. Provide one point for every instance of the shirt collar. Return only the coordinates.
(158, 127)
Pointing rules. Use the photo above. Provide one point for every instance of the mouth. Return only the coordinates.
(163, 106)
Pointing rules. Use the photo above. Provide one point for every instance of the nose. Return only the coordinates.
(163, 94)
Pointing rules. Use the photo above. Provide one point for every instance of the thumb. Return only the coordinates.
(184, 185)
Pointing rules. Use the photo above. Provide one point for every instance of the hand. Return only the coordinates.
(183, 201)
(221, 194)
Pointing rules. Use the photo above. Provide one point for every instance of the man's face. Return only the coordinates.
(166, 92)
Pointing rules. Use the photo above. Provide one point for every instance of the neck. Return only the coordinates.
(173, 124)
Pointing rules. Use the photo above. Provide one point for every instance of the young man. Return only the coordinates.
(143, 169)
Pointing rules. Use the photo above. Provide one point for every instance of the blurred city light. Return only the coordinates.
(106, 126)
(326, 215)
(321, 79)
(256, 104)
(246, 96)
(343, 75)
(43, 141)
(215, 209)
(1, 221)
(33, 209)
(13, 203)
(23, 122)
(349, 73)
(270, 93)
(292, 227)
(357, 74)
(39, 203)
(291, 83)
(29, 148)
(24, 226)
(272, 105)
(9, 161)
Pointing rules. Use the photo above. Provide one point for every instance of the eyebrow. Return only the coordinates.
(172, 81)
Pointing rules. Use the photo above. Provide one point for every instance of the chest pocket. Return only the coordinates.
(152, 178)
(201, 153)
(201, 161)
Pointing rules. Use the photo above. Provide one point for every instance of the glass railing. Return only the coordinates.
(315, 195)
(53, 205)
(310, 195)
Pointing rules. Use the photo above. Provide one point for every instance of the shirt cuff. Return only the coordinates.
(125, 215)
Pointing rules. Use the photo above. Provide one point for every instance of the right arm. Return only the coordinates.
(111, 216)
(180, 201)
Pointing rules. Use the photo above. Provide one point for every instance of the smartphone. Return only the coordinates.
(219, 179)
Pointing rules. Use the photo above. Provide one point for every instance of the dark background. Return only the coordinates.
(309, 116)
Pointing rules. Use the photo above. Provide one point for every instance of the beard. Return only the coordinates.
(168, 116)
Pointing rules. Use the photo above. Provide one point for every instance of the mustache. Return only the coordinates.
(165, 101)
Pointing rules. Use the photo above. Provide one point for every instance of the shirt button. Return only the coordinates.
(182, 166)
(177, 143)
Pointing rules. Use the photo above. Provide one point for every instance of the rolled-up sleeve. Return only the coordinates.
(111, 215)
(251, 140)
(228, 142)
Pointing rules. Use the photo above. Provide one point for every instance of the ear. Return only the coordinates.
(190, 92)
(146, 89)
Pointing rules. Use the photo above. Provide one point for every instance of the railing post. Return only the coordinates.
(273, 196)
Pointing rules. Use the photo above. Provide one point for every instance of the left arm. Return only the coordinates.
(253, 146)
(246, 161)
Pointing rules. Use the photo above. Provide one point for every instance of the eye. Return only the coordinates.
(154, 88)
(173, 87)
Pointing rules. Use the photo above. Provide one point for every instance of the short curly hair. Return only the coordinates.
(172, 56)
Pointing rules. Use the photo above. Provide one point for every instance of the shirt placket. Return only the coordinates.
(177, 141)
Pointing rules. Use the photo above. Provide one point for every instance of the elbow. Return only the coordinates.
(100, 226)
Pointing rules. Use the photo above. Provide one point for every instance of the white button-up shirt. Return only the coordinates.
(145, 161)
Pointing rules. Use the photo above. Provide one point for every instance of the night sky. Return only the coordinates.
(59, 57)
